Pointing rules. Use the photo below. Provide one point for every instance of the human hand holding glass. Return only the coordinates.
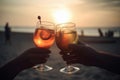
(44, 37)
(65, 35)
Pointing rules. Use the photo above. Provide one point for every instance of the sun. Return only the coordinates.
(61, 16)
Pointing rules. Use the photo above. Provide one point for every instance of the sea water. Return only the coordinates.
(88, 31)
(93, 31)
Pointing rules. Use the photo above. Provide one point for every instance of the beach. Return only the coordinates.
(22, 41)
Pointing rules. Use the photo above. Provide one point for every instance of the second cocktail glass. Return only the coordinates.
(66, 34)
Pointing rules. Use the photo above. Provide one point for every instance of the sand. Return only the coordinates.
(22, 41)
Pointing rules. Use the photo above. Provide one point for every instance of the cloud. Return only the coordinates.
(109, 3)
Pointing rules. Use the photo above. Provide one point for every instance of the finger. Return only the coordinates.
(38, 50)
(81, 43)
(77, 48)
(35, 62)
(38, 56)
(70, 57)
(74, 47)
(63, 52)
(41, 50)
(74, 61)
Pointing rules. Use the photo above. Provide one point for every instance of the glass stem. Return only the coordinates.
(42, 67)
(69, 69)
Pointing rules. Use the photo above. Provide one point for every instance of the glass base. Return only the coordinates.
(42, 68)
(69, 69)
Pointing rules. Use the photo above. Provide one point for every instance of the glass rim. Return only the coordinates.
(46, 23)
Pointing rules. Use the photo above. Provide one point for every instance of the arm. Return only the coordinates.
(28, 59)
(11, 69)
(108, 61)
(88, 56)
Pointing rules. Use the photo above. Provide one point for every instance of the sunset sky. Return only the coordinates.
(85, 13)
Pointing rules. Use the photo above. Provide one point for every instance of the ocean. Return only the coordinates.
(88, 31)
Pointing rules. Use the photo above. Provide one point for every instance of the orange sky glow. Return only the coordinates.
(85, 13)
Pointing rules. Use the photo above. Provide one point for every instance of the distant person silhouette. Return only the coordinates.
(82, 33)
(110, 33)
(100, 32)
(7, 33)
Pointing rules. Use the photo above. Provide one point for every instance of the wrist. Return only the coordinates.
(11, 69)
(15, 65)
(101, 60)
(20, 64)
(96, 59)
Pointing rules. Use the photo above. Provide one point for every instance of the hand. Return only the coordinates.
(81, 53)
(27, 59)
(86, 55)
(33, 56)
